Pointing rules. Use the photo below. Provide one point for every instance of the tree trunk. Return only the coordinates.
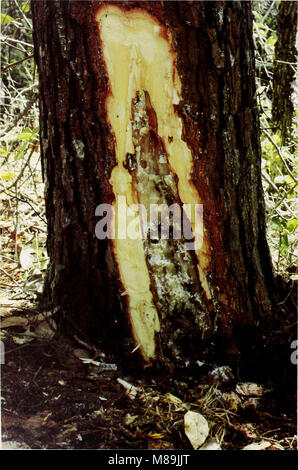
(284, 71)
(153, 103)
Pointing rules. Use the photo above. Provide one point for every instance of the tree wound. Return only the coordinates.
(154, 166)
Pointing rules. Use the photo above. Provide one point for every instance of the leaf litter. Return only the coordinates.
(51, 398)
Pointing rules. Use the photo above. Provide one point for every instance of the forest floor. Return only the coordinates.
(62, 393)
(59, 393)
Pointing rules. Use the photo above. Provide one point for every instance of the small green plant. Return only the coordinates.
(280, 179)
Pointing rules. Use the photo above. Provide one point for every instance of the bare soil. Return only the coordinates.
(53, 398)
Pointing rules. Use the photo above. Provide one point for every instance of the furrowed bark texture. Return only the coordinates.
(284, 70)
(194, 310)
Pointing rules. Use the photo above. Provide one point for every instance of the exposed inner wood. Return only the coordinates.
(154, 167)
(172, 267)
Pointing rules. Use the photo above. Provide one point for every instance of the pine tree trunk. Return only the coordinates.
(154, 102)
(284, 71)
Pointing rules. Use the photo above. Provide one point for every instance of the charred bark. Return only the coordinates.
(193, 138)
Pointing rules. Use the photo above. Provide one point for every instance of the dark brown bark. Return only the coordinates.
(215, 63)
(284, 71)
